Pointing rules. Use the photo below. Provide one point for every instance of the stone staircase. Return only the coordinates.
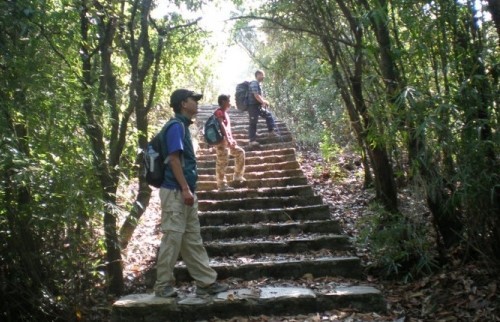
(271, 239)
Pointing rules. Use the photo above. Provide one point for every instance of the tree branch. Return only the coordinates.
(290, 27)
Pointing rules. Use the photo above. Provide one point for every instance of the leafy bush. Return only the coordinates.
(400, 245)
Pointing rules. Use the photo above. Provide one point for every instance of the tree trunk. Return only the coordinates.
(385, 185)
(17, 200)
(141, 103)
(108, 184)
(138, 209)
(113, 253)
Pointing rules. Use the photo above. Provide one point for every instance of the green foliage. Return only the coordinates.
(429, 92)
(400, 244)
(329, 150)
(317, 170)
(52, 251)
(300, 88)
(50, 260)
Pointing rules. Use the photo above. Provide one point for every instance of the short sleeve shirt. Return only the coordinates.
(254, 88)
(219, 113)
(174, 138)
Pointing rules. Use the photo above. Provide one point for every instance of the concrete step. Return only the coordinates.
(242, 135)
(288, 165)
(258, 203)
(241, 130)
(209, 155)
(258, 183)
(265, 146)
(246, 302)
(242, 127)
(302, 190)
(283, 266)
(250, 160)
(278, 245)
(221, 218)
(263, 139)
(249, 175)
(266, 229)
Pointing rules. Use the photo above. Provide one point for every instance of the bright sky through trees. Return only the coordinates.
(233, 65)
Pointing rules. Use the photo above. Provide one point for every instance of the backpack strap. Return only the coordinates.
(162, 138)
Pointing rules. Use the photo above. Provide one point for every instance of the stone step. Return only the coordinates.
(258, 203)
(243, 142)
(265, 229)
(250, 175)
(265, 145)
(209, 154)
(241, 125)
(302, 190)
(236, 118)
(203, 114)
(258, 183)
(246, 302)
(288, 165)
(242, 134)
(279, 245)
(282, 266)
(210, 162)
(220, 218)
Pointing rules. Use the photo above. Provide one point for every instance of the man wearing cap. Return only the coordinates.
(179, 218)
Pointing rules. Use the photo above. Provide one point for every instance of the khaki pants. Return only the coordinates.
(181, 235)
(223, 150)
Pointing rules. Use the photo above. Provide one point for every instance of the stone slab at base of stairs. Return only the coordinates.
(245, 302)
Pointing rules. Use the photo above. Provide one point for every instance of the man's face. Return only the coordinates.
(190, 106)
(260, 77)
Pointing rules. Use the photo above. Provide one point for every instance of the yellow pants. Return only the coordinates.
(180, 226)
(223, 150)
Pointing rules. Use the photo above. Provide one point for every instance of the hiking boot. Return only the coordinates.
(167, 291)
(225, 187)
(239, 179)
(211, 289)
(253, 144)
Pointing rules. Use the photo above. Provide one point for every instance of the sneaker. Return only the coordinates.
(253, 144)
(225, 187)
(211, 289)
(239, 179)
(167, 291)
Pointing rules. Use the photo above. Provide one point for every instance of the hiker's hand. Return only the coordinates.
(188, 197)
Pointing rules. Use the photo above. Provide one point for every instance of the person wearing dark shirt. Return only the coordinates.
(258, 107)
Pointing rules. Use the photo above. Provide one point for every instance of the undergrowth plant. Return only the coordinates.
(401, 246)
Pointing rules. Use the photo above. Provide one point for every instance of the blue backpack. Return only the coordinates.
(155, 158)
(212, 131)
